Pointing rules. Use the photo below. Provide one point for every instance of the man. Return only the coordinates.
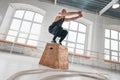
(56, 27)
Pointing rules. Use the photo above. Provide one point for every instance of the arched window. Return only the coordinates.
(112, 45)
(75, 41)
(25, 27)
(25, 24)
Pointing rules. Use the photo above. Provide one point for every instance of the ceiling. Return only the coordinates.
(95, 6)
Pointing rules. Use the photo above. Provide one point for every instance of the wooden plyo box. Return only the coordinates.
(55, 56)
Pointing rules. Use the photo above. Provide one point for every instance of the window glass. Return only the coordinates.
(38, 18)
(107, 57)
(71, 45)
(65, 25)
(107, 52)
(114, 34)
(80, 46)
(15, 24)
(82, 28)
(107, 33)
(71, 49)
(23, 35)
(72, 36)
(114, 45)
(25, 26)
(119, 35)
(111, 45)
(114, 58)
(107, 43)
(81, 38)
(21, 40)
(19, 14)
(10, 38)
(29, 15)
(114, 53)
(75, 39)
(78, 51)
(36, 28)
(64, 42)
(34, 37)
(12, 33)
(119, 45)
(73, 25)
(32, 42)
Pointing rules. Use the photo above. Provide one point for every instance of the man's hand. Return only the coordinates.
(80, 13)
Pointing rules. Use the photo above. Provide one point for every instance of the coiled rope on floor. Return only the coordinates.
(73, 73)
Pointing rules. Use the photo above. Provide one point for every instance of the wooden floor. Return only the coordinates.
(12, 63)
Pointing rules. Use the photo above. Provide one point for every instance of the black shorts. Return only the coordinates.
(55, 30)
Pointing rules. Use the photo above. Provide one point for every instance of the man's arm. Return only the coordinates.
(69, 13)
(73, 18)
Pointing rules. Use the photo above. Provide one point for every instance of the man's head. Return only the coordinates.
(63, 11)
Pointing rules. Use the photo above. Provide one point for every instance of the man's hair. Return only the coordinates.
(63, 10)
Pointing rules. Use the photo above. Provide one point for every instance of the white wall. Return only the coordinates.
(97, 23)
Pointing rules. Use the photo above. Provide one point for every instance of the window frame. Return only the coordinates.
(77, 32)
(110, 50)
(22, 20)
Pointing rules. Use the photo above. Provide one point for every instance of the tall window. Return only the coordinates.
(75, 41)
(112, 45)
(25, 27)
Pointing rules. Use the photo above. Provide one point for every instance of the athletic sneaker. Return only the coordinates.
(60, 43)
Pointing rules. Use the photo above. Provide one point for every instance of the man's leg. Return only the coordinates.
(54, 39)
(63, 35)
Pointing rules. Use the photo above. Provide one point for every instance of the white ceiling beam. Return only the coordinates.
(107, 6)
(55, 2)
